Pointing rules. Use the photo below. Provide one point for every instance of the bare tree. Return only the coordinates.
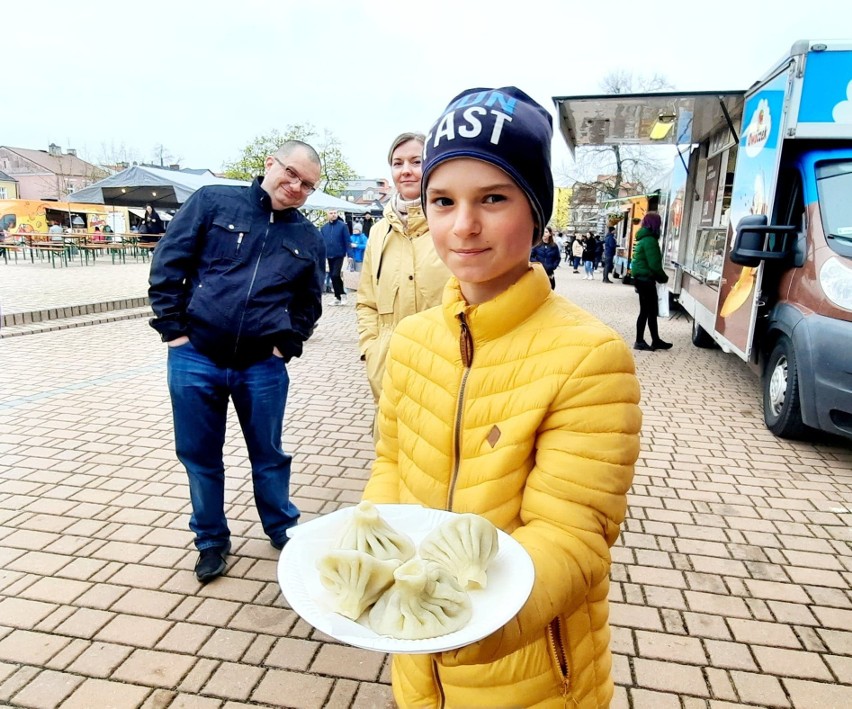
(609, 167)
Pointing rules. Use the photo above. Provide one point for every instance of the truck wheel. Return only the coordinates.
(782, 407)
(700, 336)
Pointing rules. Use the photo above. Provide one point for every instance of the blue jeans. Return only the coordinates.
(200, 391)
(589, 267)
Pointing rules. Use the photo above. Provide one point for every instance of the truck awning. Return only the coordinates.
(646, 119)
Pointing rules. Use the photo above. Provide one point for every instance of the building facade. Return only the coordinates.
(48, 174)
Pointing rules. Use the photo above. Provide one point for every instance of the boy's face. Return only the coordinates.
(482, 225)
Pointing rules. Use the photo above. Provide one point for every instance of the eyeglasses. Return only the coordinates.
(294, 178)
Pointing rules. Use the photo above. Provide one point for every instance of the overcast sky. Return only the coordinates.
(204, 78)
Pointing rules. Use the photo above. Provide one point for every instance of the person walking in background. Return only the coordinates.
(647, 269)
(236, 290)
(402, 274)
(546, 252)
(589, 246)
(152, 222)
(335, 233)
(599, 250)
(357, 244)
(609, 246)
(367, 224)
(512, 403)
(577, 252)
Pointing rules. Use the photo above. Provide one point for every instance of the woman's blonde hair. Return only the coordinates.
(404, 138)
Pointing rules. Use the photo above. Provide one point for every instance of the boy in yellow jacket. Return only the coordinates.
(512, 403)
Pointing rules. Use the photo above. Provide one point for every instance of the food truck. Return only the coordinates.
(758, 229)
(34, 216)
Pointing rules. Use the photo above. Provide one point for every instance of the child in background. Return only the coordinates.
(509, 402)
(357, 244)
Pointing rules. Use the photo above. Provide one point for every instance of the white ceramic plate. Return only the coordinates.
(510, 581)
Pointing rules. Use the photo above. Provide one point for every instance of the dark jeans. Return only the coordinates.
(200, 391)
(334, 266)
(607, 266)
(552, 279)
(576, 261)
(647, 291)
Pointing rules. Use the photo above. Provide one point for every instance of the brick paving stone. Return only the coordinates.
(292, 654)
(226, 644)
(730, 655)
(233, 681)
(760, 689)
(300, 690)
(761, 633)
(668, 676)
(185, 637)
(152, 668)
(191, 701)
(25, 646)
(664, 646)
(373, 696)
(791, 663)
(146, 602)
(818, 695)
(100, 659)
(644, 699)
(21, 613)
(84, 623)
(102, 693)
(48, 689)
(353, 663)
(837, 642)
(133, 630)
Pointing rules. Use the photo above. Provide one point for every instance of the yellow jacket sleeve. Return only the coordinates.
(383, 486)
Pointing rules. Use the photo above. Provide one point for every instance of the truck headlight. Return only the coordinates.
(835, 279)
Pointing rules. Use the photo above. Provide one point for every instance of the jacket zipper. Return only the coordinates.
(438, 687)
(554, 635)
(251, 284)
(466, 348)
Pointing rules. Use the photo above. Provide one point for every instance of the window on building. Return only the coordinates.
(2, 193)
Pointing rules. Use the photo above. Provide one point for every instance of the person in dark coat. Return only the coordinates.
(336, 235)
(367, 224)
(546, 252)
(609, 247)
(647, 269)
(589, 247)
(152, 221)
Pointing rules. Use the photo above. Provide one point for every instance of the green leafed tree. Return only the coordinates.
(335, 168)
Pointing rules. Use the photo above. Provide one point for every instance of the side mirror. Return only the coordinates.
(758, 241)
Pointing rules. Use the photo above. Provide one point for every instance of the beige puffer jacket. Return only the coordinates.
(401, 275)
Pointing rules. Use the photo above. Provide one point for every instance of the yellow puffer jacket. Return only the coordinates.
(401, 275)
(529, 417)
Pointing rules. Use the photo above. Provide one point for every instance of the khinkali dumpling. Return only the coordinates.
(366, 531)
(425, 601)
(465, 544)
(356, 579)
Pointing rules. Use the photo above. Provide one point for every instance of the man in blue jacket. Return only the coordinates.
(335, 233)
(236, 287)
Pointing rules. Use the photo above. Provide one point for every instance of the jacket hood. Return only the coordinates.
(645, 233)
(417, 225)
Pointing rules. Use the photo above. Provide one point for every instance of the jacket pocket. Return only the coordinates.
(386, 297)
(559, 654)
(226, 238)
(292, 261)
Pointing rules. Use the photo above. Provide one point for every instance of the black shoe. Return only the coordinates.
(279, 545)
(642, 345)
(211, 563)
(606, 280)
(660, 345)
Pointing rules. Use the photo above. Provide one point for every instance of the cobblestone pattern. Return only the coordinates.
(731, 581)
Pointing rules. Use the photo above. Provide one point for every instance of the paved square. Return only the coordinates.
(732, 582)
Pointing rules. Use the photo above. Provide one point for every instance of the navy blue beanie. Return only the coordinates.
(504, 127)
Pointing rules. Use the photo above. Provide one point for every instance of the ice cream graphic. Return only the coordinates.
(842, 112)
(758, 129)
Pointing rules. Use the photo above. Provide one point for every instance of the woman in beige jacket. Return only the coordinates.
(401, 274)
